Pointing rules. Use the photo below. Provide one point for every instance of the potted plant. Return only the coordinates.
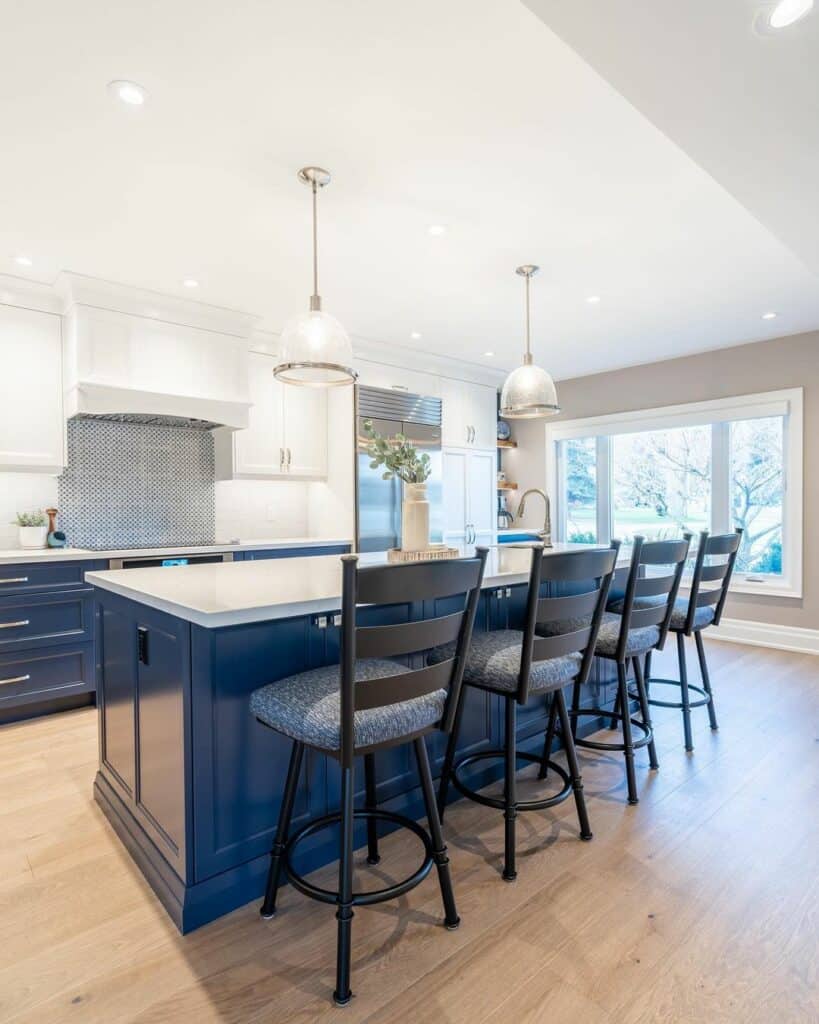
(400, 459)
(32, 529)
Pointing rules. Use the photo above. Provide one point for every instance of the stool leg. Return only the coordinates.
(371, 804)
(631, 778)
(268, 908)
(510, 791)
(344, 913)
(575, 708)
(706, 682)
(617, 710)
(574, 767)
(647, 675)
(641, 689)
(550, 735)
(686, 709)
(451, 919)
(449, 757)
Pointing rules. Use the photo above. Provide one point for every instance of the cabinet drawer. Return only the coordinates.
(32, 577)
(305, 552)
(40, 620)
(30, 676)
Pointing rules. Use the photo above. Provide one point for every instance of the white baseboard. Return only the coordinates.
(765, 634)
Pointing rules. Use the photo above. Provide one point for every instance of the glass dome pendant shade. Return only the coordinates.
(529, 391)
(315, 350)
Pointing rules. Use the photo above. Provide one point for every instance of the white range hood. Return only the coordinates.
(133, 353)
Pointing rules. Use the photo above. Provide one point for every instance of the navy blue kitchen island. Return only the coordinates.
(188, 779)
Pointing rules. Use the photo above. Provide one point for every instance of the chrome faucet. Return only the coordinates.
(546, 533)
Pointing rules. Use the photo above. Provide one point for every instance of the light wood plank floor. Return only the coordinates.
(701, 904)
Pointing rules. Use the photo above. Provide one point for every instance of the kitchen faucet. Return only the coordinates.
(546, 533)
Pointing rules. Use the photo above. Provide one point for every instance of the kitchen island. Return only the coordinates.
(188, 779)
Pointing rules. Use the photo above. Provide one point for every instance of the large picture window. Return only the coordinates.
(706, 466)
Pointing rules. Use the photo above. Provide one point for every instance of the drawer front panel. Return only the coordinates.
(33, 577)
(304, 552)
(30, 676)
(45, 619)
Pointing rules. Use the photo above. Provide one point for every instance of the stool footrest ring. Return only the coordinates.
(640, 741)
(520, 805)
(360, 899)
(706, 699)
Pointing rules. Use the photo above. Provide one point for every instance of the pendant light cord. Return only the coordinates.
(315, 300)
(528, 357)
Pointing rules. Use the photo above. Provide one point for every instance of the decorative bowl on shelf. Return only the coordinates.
(504, 430)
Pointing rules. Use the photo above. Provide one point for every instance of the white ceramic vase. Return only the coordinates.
(32, 536)
(415, 518)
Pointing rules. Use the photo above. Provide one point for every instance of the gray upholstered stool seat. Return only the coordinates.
(494, 663)
(703, 616)
(639, 640)
(307, 707)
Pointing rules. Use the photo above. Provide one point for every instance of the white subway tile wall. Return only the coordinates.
(23, 492)
(258, 509)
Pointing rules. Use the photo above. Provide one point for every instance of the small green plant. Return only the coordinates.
(397, 455)
(35, 518)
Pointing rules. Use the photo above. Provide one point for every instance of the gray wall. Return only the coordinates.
(746, 369)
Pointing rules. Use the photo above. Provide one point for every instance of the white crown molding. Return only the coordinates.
(766, 634)
(27, 294)
(410, 358)
(79, 289)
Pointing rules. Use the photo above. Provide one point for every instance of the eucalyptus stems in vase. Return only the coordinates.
(401, 459)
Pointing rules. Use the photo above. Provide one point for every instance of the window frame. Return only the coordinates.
(719, 413)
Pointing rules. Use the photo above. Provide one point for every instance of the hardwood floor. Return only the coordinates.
(701, 904)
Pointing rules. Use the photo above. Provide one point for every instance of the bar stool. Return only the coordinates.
(702, 609)
(638, 623)
(369, 703)
(515, 664)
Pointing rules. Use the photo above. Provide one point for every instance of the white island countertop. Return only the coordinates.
(234, 593)
(12, 556)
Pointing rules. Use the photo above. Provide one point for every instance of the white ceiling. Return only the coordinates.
(469, 114)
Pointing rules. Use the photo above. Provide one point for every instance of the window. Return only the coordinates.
(706, 466)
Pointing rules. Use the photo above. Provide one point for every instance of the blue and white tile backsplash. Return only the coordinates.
(137, 485)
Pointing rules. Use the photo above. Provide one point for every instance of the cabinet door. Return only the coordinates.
(31, 412)
(455, 432)
(483, 415)
(258, 451)
(481, 485)
(305, 431)
(454, 475)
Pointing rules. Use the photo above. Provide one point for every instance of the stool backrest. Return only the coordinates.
(402, 584)
(720, 546)
(576, 616)
(649, 599)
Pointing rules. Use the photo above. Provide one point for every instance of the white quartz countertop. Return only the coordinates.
(11, 556)
(234, 593)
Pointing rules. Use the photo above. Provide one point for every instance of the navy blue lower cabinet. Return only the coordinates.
(30, 677)
(307, 551)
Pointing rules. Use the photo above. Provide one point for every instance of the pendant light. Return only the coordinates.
(529, 391)
(315, 350)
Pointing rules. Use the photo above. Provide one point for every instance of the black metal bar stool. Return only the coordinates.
(369, 703)
(702, 609)
(637, 623)
(516, 664)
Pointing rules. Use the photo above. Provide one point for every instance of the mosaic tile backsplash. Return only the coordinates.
(137, 485)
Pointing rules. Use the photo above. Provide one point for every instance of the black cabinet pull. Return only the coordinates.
(142, 644)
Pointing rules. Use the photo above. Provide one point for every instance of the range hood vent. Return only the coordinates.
(147, 419)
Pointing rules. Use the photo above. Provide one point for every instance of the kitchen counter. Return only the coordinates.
(12, 556)
(234, 593)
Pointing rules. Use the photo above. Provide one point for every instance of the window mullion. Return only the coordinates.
(720, 478)
(604, 490)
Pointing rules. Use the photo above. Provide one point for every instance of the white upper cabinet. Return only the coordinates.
(393, 378)
(287, 431)
(31, 392)
(469, 483)
(469, 414)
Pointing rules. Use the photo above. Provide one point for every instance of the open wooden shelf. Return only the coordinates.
(507, 485)
(507, 444)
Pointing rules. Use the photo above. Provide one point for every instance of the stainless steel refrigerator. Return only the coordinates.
(379, 501)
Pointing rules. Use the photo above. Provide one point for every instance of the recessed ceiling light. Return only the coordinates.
(787, 12)
(770, 316)
(436, 229)
(128, 92)
(592, 299)
(24, 261)
(190, 282)
(489, 354)
(415, 335)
